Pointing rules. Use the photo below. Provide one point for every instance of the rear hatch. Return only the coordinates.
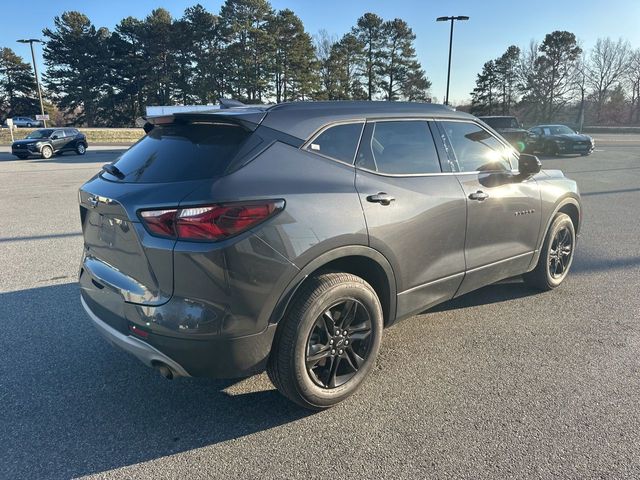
(122, 261)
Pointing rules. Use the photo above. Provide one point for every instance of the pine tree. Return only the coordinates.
(207, 45)
(249, 49)
(401, 74)
(344, 67)
(295, 67)
(370, 33)
(128, 72)
(552, 82)
(482, 97)
(18, 93)
(76, 54)
(506, 77)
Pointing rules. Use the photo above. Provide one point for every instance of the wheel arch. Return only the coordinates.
(568, 204)
(359, 260)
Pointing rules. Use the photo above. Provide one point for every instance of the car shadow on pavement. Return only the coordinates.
(72, 405)
(510, 289)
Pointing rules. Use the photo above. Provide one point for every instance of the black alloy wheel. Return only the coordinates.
(556, 255)
(560, 253)
(339, 343)
(328, 340)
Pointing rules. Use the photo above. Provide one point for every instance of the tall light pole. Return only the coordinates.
(31, 41)
(452, 19)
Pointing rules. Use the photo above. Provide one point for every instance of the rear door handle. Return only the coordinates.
(479, 195)
(382, 198)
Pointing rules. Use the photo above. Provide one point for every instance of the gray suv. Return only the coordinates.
(286, 238)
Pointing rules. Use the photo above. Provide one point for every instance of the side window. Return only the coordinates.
(403, 147)
(58, 133)
(339, 142)
(476, 149)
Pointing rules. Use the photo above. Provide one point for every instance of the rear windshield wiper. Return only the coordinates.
(113, 170)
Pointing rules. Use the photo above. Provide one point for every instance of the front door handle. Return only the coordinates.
(479, 195)
(382, 198)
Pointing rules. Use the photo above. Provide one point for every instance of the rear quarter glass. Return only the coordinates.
(182, 152)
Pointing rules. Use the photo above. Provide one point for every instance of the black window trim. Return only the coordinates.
(429, 121)
(439, 121)
(306, 145)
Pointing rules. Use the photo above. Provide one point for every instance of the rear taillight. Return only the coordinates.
(209, 222)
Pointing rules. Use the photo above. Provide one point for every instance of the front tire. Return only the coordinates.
(328, 341)
(81, 149)
(46, 152)
(551, 149)
(556, 256)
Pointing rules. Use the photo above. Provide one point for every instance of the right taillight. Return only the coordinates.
(209, 222)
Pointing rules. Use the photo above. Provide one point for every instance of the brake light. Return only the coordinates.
(210, 222)
(160, 222)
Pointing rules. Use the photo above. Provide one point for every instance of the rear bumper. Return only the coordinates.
(139, 349)
(221, 357)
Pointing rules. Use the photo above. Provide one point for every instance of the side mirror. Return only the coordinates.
(54, 137)
(528, 165)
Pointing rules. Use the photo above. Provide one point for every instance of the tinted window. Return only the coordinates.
(59, 133)
(500, 122)
(474, 148)
(176, 153)
(558, 130)
(40, 134)
(339, 142)
(404, 147)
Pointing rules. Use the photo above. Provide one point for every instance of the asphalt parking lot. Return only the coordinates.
(501, 383)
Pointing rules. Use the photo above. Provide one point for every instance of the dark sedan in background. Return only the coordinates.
(558, 140)
(45, 142)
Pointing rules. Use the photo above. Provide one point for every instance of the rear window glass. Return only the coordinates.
(339, 142)
(175, 153)
(404, 147)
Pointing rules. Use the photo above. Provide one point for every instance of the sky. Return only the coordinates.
(493, 25)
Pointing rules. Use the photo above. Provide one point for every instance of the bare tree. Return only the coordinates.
(633, 80)
(323, 43)
(607, 65)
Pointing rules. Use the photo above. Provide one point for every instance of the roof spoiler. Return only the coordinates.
(248, 118)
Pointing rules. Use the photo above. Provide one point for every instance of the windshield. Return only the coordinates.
(558, 130)
(501, 122)
(40, 134)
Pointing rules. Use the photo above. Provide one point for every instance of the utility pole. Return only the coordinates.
(451, 19)
(31, 41)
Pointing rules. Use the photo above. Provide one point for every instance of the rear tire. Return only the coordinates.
(556, 256)
(328, 340)
(46, 152)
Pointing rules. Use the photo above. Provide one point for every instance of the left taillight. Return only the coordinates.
(209, 222)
